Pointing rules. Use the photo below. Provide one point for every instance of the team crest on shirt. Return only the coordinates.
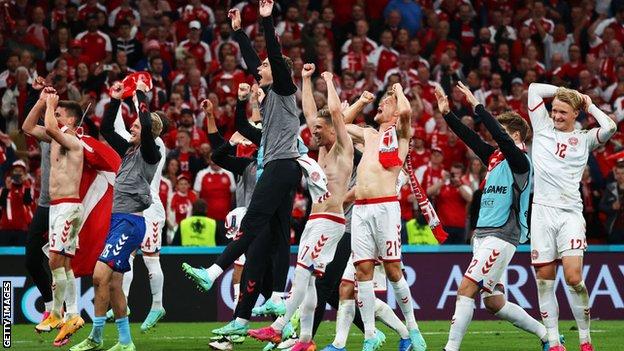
(534, 254)
(315, 176)
(573, 141)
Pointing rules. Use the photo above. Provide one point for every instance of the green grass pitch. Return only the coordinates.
(482, 335)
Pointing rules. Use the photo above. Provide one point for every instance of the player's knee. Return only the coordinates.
(346, 291)
(573, 279)
(100, 280)
(493, 304)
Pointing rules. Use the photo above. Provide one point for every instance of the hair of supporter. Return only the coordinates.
(157, 124)
(459, 165)
(164, 120)
(73, 109)
(514, 123)
(289, 63)
(570, 97)
(200, 207)
(619, 165)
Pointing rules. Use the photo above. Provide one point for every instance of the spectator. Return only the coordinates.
(15, 202)
(96, 44)
(612, 204)
(181, 202)
(194, 46)
(198, 230)
(432, 172)
(216, 186)
(384, 57)
(124, 12)
(411, 14)
(186, 123)
(127, 42)
(14, 101)
(451, 198)
(7, 77)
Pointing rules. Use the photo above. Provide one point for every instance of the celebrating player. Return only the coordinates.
(560, 153)
(268, 215)
(154, 223)
(326, 223)
(66, 161)
(376, 224)
(132, 196)
(502, 222)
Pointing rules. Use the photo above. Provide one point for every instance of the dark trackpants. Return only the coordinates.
(265, 228)
(36, 261)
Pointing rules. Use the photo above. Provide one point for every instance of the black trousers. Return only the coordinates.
(266, 229)
(36, 261)
(327, 286)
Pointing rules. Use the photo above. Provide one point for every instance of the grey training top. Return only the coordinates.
(132, 186)
(245, 185)
(280, 127)
(510, 231)
(44, 196)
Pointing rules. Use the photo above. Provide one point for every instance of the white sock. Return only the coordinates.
(277, 296)
(242, 321)
(127, 278)
(464, 308)
(366, 304)
(157, 280)
(59, 285)
(48, 306)
(298, 292)
(404, 299)
(236, 293)
(386, 315)
(307, 311)
(549, 309)
(521, 319)
(344, 319)
(580, 309)
(214, 272)
(71, 299)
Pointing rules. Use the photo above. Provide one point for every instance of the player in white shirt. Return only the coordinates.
(560, 154)
(154, 223)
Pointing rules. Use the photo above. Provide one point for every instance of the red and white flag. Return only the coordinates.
(101, 164)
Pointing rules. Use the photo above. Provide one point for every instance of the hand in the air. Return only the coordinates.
(308, 70)
(116, 90)
(443, 104)
(266, 8)
(472, 100)
(367, 97)
(243, 91)
(235, 17)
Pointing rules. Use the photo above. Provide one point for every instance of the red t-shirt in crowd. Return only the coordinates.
(182, 205)
(216, 188)
(451, 207)
(407, 206)
(16, 215)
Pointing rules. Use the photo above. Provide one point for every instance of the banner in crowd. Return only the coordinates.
(432, 276)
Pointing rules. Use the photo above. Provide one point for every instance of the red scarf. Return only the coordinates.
(389, 149)
(496, 158)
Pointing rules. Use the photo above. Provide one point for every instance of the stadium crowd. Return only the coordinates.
(497, 47)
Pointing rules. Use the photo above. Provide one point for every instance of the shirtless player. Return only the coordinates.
(326, 223)
(376, 223)
(66, 160)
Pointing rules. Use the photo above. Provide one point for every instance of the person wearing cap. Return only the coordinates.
(15, 201)
(431, 172)
(181, 203)
(196, 47)
(187, 124)
(419, 155)
(96, 44)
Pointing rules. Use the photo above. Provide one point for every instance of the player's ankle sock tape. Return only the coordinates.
(98, 328)
(123, 327)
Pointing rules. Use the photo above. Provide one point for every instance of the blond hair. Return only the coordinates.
(157, 124)
(570, 97)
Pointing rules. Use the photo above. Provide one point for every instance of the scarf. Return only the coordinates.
(316, 179)
(389, 149)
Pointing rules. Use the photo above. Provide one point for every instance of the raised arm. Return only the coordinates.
(405, 112)
(354, 109)
(119, 126)
(241, 122)
(356, 133)
(482, 149)
(247, 51)
(30, 126)
(537, 111)
(223, 157)
(333, 102)
(282, 80)
(607, 125)
(67, 141)
(107, 128)
(149, 149)
(307, 97)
